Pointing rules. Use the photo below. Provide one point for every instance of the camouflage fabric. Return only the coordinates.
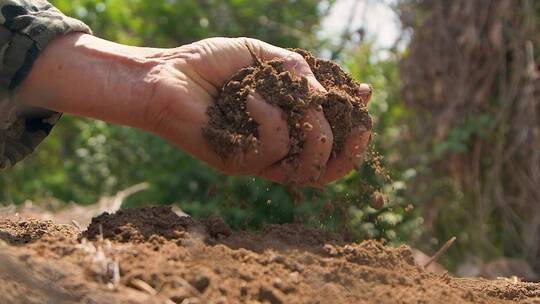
(26, 27)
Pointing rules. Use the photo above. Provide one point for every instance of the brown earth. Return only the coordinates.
(231, 128)
(152, 255)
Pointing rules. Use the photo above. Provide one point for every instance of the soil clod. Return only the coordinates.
(138, 225)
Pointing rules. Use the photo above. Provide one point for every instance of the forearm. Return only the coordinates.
(88, 76)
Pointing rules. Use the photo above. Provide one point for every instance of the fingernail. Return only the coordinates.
(365, 92)
(365, 89)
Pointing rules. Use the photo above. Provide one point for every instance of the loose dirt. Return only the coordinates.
(231, 129)
(152, 255)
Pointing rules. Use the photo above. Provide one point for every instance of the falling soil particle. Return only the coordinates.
(232, 129)
(206, 262)
(378, 200)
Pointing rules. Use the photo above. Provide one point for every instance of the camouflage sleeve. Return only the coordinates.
(26, 27)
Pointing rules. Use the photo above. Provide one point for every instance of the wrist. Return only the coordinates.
(88, 76)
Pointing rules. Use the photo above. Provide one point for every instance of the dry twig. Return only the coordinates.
(441, 251)
(143, 286)
(76, 224)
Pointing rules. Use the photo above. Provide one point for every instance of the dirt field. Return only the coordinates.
(153, 255)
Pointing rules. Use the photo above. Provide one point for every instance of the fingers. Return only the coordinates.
(273, 141)
(317, 148)
(351, 156)
(312, 160)
(365, 93)
(333, 168)
(353, 152)
(270, 147)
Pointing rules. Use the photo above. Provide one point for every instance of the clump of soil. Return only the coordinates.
(209, 263)
(232, 129)
(137, 225)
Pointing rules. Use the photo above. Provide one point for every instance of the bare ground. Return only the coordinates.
(154, 256)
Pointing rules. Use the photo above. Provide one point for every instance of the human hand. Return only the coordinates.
(191, 79)
(168, 91)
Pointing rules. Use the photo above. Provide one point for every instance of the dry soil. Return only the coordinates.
(152, 255)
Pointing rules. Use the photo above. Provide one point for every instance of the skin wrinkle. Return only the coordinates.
(157, 120)
(151, 80)
(205, 52)
(119, 54)
(201, 51)
(200, 81)
(167, 110)
(109, 78)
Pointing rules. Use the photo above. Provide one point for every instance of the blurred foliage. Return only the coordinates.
(169, 23)
(471, 76)
(85, 159)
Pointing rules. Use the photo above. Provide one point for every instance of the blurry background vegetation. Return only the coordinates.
(456, 115)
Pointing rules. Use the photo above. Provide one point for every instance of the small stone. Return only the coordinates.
(278, 283)
(244, 290)
(222, 301)
(349, 249)
(222, 290)
(307, 126)
(266, 294)
(190, 301)
(200, 283)
(277, 259)
(330, 249)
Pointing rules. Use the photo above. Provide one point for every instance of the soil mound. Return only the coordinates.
(138, 225)
(206, 262)
(231, 128)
